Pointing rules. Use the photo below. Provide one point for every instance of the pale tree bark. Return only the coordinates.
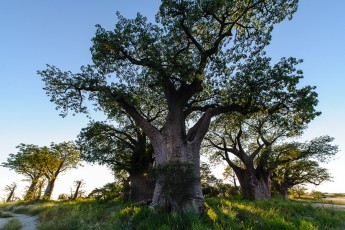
(49, 189)
(40, 188)
(177, 147)
(31, 192)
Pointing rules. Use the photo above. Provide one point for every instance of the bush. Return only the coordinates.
(316, 194)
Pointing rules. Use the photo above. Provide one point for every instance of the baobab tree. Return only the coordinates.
(26, 162)
(195, 62)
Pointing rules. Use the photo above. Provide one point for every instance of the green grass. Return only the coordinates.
(220, 213)
(13, 224)
(5, 215)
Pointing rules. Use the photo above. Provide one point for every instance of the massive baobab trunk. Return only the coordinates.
(141, 187)
(177, 155)
(254, 184)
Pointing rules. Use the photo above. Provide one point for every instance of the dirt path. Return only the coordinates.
(335, 206)
(28, 222)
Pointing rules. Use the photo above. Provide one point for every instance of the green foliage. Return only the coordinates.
(109, 192)
(298, 191)
(213, 187)
(316, 194)
(64, 197)
(122, 148)
(5, 215)
(26, 162)
(298, 163)
(13, 224)
(36, 162)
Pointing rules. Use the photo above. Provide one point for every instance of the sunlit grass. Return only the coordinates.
(220, 213)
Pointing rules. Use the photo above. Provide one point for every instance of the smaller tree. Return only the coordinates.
(230, 174)
(78, 192)
(316, 194)
(125, 149)
(212, 186)
(10, 189)
(110, 191)
(26, 162)
(57, 159)
(63, 197)
(298, 191)
(298, 163)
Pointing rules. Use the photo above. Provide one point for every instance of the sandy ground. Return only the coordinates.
(335, 206)
(28, 222)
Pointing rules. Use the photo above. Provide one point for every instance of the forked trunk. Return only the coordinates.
(11, 195)
(141, 187)
(254, 186)
(49, 189)
(30, 194)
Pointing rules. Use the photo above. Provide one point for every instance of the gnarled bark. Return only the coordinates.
(254, 185)
(186, 193)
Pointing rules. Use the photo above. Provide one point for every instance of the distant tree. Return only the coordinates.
(298, 191)
(63, 197)
(208, 180)
(298, 163)
(110, 191)
(10, 189)
(316, 194)
(56, 159)
(78, 191)
(199, 62)
(212, 186)
(230, 174)
(247, 143)
(26, 162)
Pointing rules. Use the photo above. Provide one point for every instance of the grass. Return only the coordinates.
(5, 215)
(220, 213)
(13, 224)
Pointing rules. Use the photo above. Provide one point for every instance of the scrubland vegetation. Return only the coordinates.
(220, 213)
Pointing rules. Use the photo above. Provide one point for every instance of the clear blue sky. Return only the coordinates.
(40, 32)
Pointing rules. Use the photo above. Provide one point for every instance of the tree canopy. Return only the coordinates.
(36, 162)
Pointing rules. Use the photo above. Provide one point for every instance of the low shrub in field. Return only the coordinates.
(5, 215)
